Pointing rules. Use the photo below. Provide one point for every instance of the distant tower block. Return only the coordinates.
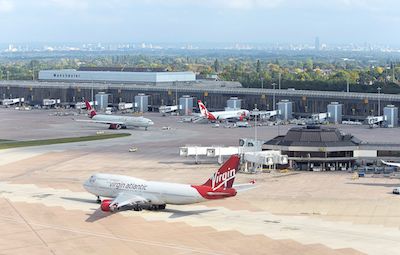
(102, 100)
(234, 103)
(335, 112)
(141, 102)
(285, 108)
(186, 105)
(317, 44)
(391, 114)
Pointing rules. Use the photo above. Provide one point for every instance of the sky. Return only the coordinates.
(211, 21)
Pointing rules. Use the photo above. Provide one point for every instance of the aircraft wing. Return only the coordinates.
(102, 121)
(244, 186)
(127, 199)
(391, 163)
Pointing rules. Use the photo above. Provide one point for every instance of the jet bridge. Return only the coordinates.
(320, 117)
(125, 106)
(265, 115)
(51, 102)
(13, 101)
(213, 151)
(164, 109)
(82, 105)
(375, 121)
(254, 161)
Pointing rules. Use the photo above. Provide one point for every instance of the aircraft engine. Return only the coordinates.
(105, 205)
(115, 126)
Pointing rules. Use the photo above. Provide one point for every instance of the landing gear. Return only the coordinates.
(98, 200)
(137, 208)
(157, 207)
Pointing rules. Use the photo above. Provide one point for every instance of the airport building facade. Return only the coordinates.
(116, 75)
(317, 148)
(164, 88)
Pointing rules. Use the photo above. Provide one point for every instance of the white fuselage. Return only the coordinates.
(127, 121)
(223, 115)
(157, 193)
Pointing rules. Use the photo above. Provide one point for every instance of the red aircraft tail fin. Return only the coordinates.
(225, 176)
(91, 110)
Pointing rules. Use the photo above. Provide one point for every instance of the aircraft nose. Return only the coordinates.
(151, 123)
(86, 185)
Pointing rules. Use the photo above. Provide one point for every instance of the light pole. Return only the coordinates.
(379, 101)
(279, 81)
(262, 82)
(273, 97)
(176, 93)
(256, 112)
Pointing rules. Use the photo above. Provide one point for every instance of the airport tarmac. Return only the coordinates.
(45, 210)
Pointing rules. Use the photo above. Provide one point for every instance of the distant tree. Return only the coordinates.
(216, 66)
(258, 67)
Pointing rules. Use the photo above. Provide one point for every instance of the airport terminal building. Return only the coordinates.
(117, 75)
(327, 149)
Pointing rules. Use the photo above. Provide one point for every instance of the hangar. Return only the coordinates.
(116, 75)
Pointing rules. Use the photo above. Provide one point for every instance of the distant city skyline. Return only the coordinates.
(206, 21)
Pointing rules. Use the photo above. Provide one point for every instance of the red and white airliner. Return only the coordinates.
(130, 192)
(222, 115)
(117, 122)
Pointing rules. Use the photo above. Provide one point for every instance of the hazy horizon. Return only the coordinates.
(207, 21)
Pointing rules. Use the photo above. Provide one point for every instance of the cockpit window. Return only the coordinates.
(92, 179)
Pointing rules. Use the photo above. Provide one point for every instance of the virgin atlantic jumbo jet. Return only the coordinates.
(135, 193)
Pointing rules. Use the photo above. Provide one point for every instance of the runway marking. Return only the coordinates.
(29, 225)
(119, 238)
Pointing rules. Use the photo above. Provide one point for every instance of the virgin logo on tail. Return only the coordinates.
(218, 180)
(225, 176)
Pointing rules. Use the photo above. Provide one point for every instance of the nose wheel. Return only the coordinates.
(98, 200)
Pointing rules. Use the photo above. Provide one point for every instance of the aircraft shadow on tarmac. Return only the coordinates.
(98, 214)
(392, 185)
(187, 162)
(84, 200)
(179, 214)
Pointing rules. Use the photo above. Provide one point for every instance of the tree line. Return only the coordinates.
(299, 73)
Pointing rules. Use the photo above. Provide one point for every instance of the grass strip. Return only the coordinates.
(17, 144)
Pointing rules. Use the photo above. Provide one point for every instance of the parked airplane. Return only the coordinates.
(222, 115)
(131, 192)
(391, 163)
(118, 122)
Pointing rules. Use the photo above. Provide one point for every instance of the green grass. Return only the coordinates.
(17, 144)
(4, 140)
